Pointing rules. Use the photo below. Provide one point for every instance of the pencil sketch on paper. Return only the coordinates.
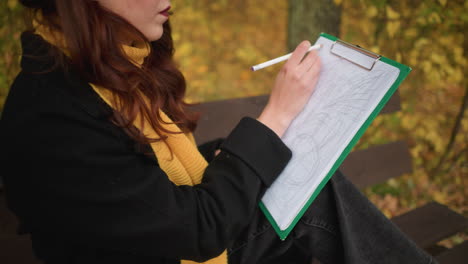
(343, 99)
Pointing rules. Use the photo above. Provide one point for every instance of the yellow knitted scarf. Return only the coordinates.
(186, 165)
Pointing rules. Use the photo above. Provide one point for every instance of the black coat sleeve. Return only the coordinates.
(81, 182)
(209, 148)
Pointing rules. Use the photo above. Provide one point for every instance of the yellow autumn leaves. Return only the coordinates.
(217, 43)
(428, 36)
(393, 23)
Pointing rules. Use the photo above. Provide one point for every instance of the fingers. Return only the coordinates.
(311, 75)
(293, 86)
(308, 62)
(298, 54)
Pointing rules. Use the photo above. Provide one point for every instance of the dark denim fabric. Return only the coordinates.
(341, 226)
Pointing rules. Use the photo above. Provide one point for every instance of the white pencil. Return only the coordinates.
(280, 59)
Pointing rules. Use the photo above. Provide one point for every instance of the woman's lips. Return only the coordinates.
(165, 12)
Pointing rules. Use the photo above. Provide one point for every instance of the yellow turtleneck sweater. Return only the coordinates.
(186, 165)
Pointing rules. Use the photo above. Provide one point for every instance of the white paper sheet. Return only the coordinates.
(345, 96)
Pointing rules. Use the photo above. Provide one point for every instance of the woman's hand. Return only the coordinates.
(293, 87)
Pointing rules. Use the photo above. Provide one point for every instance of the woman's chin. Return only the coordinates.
(154, 34)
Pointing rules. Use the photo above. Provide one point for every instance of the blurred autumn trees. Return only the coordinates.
(321, 16)
(218, 41)
(11, 25)
(430, 37)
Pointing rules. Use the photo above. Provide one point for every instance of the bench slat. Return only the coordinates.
(393, 104)
(218, 118)
(17, 250)
(377, 164)
(13, 248)
(430, 224)
(455, 255)
(8, 221)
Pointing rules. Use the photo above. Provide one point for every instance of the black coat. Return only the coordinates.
(87, 193)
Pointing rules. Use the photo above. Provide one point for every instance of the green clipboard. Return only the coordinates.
(403, 73)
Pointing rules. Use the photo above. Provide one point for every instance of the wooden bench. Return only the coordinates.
(426, 225)
(14, 249)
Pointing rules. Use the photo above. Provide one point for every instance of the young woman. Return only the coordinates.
(109, 172)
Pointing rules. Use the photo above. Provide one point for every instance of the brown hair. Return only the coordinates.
(91, 35)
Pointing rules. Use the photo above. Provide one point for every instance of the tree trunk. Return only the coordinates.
(308, 18)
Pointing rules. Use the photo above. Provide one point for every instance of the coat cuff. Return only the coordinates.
(208, 149)
(259, 147)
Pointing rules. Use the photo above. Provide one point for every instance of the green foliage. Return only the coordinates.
(10, 29)
(430, 37)
(218, 41)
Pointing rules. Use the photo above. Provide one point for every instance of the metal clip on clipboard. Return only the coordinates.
(355, 54)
